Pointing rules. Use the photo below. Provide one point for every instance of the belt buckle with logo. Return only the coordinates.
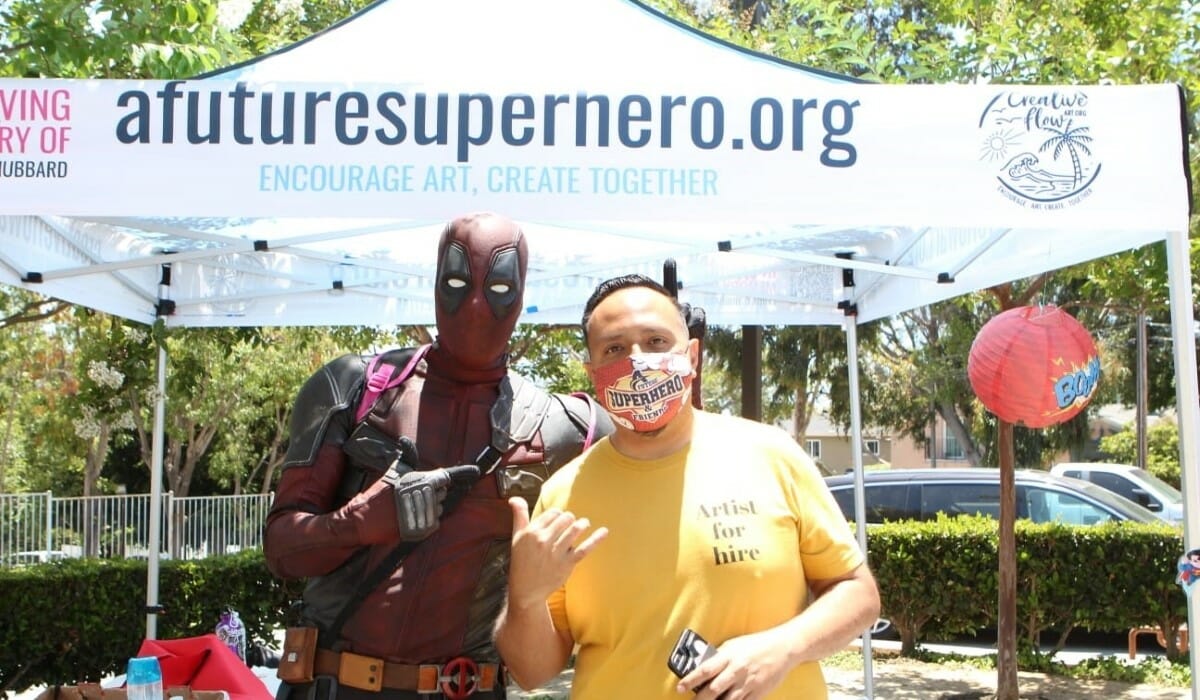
(459, 678)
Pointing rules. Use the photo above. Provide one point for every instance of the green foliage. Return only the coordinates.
(95, 620)
(263, 373)
(939, 577)
(551, 357)
(936, 579)
(1162, 450)
(1153, 670)
(113, 38)
(959, 598)
(271, 24)
(60, 424)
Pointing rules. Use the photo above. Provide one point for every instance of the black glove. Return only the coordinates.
(419, 495)
(697, 320)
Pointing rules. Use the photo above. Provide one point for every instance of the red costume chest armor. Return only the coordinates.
(442, 600)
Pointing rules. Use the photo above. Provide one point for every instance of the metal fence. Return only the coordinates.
(36, 527)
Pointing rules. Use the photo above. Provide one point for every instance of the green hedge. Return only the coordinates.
(81, 619)
(939, 577)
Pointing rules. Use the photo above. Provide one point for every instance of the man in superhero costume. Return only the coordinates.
(423, 477)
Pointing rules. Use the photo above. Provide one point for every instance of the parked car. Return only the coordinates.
(920, 494)
(1134, 483)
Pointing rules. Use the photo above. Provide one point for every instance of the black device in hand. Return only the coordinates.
(690, 651)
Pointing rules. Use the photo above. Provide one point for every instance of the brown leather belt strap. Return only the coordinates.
(369, 673)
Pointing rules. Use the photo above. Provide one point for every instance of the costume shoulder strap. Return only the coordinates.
(385, 371)
(593, 419)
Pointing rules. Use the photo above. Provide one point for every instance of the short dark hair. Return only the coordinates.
(610, 286)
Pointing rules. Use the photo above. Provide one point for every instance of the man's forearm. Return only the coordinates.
(837, 616)
(534, 651)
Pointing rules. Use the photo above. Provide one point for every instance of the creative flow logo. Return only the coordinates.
(1040, 145)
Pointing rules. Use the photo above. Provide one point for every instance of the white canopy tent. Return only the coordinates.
(308, 187)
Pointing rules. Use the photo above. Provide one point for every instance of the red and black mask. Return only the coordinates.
(480, 285)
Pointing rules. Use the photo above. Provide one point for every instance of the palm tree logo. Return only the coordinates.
(1073, 140)
(1021, 131)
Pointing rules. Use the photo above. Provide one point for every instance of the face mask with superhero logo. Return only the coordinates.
(644, 391)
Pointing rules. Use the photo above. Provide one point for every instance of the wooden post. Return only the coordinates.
(1006, 626)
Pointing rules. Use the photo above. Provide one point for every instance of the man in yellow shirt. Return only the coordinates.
(704, 522)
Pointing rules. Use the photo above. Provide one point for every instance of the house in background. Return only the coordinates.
(829, 444)
(943, 450)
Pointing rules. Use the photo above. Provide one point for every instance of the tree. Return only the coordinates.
(550, 356)
(1163, 439)
(114, 38)
(1122, 286)
(110, 365)
(32, 379)
(800, 365)
(918, 371)
(127, 39)
(266, 373)
(18, 306)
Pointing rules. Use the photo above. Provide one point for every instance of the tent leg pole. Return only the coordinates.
(1187, 397)
(860, 504)
(156, 468)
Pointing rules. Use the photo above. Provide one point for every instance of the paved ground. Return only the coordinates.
(894, 679)
(898, 679)
(905, 679)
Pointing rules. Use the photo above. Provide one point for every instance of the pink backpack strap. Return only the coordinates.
(591, 431)
(382, 376)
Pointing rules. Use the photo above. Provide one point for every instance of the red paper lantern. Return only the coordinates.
(1034, 366)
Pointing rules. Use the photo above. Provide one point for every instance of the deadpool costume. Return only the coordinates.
(393, 507)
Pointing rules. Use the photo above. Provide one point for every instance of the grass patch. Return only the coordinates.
(1153, 670)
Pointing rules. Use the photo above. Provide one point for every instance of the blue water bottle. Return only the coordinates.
(143, 679)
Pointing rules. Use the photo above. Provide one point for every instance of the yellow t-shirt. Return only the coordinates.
(720, 537)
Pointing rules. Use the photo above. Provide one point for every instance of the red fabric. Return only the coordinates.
(1034, 366)
(205, 663)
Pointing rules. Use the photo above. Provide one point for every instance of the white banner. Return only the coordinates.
(816, 153)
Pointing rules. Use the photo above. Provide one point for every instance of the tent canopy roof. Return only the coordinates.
(309, 187)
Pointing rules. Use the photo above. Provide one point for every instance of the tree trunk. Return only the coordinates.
(9, 418)
(277, 451)
(93, 464)
(800, 414)
(955, 426)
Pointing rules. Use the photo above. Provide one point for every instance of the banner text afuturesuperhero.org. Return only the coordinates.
(469, 120)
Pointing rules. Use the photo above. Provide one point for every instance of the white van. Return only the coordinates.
(1138, 485)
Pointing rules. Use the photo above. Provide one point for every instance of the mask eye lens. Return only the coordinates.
(455, 283)
(501, 288)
